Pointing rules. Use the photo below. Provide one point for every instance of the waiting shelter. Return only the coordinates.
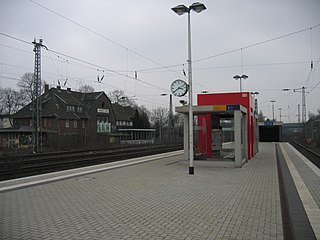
(225, 128)
(137, 136)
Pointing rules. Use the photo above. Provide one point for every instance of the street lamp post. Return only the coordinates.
(273, 101)
(255, 102)
(238, 77)
(181, 9)
(170, 115)
(303, 100)
(280, 109)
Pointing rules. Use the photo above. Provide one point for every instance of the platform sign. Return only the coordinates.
(233, 107)
(219, 107)
(103, 110)
(268, 123)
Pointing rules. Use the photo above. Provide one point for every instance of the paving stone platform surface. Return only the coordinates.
(152, 200)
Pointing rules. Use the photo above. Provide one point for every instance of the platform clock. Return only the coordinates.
(179, 88)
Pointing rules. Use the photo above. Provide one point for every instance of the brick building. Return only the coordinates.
(72, 119)
(124, 116)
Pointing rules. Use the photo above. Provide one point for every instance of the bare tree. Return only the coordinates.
(2, 97)
(159, 120)
(118, 96)
(10, 101)
(158, 115)
(25, 85)
(86, 89)
(314, 116)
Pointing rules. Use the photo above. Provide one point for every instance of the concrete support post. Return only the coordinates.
(186, 136)
(237, 139)
(245, 137)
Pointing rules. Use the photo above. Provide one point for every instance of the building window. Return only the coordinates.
(75, 123)
(67, 123)
(83, 123)
(70, 108)
(79, 109)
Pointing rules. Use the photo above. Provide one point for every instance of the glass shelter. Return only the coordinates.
(220, 134)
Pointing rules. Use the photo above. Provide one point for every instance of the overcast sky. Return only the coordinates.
(120, 37)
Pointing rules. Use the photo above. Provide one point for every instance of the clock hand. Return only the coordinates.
(175, 90)
(178, 89)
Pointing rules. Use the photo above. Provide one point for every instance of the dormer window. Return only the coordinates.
(70, 108)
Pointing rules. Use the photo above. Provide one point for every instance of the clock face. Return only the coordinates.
(179, 88)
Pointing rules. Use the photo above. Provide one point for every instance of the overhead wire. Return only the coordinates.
(110, 70)
(224, 53)
(202, 59)
(15, 38)
(89, 63)
(176, 65)
(256, 44)
(166, 67)
(100, 35)
(55, 66)
(11, 78)
(18, 49)
(234, 50)
(315, 86)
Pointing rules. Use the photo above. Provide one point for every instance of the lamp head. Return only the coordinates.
(198, 7)
(183, 102)
(180, 9)
(236, 77)
(244, 76)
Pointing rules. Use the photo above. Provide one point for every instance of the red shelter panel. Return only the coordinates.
(204, 135)
(243, 98)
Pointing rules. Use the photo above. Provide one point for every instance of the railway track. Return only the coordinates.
(28, 165)
(312, 155)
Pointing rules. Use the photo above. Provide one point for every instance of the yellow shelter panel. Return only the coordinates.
(219, 107)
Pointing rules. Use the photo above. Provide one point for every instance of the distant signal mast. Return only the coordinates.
(36, 99)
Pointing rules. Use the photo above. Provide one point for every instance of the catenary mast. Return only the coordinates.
(36, 99)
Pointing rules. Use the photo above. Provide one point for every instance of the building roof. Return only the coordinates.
(123, 113)
(56, 100)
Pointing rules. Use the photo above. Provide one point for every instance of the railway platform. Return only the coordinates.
(155, 198)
